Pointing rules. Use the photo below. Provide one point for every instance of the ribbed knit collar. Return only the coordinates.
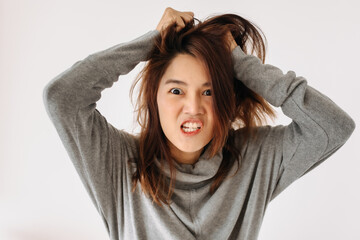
(190, 176)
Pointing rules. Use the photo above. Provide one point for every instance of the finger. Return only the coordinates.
(182, 20)
(187, 16)
(180, 23)
(189, 13)
(187, 19)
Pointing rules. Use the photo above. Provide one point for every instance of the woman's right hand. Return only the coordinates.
(171, 15)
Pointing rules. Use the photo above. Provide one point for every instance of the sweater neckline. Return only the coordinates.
(192, 176)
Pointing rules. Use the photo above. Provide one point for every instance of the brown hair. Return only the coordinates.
(235, 105)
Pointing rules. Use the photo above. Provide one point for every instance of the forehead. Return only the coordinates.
(186, 70)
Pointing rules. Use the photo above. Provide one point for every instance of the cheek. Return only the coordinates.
(167, 108)
(210, 111)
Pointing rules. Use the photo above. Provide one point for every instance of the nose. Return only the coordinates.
(193, 105)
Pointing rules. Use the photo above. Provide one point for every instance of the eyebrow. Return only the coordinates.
(207, 84)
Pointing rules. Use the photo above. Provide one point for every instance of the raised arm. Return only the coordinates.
(318, 128)
(95, 147)
(79, 87)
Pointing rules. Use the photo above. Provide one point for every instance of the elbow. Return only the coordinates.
(345, 129)
(350, 127)
(339, 132)
(48, 94)
(52, 97)
(48, 98)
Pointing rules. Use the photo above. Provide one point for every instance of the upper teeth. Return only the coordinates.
(193, 125)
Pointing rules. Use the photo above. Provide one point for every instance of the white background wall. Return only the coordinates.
(41, 196)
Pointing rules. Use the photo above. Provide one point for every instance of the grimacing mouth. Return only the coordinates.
(192, 123)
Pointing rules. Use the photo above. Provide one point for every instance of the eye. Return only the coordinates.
(176, 91)
(207, 92)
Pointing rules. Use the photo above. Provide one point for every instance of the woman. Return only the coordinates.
(203, 166)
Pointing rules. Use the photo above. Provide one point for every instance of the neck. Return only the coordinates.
(187, 158)
(184, 157)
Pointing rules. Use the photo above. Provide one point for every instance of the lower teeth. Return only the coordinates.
(189, 130)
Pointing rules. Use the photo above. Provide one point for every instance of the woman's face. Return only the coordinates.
(185, 107)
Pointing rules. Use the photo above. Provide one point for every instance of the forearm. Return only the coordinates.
(81, 85)
(313, 114)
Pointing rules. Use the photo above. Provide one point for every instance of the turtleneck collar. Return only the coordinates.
(190, 176)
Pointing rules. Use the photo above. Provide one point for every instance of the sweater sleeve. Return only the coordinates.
(318, 128)
(92, 143)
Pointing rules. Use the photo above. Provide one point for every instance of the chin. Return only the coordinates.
(191, 149)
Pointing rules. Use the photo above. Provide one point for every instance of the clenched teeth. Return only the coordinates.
(190, 129)
(192, 125)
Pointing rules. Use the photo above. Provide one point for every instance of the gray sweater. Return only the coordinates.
(271, 162)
